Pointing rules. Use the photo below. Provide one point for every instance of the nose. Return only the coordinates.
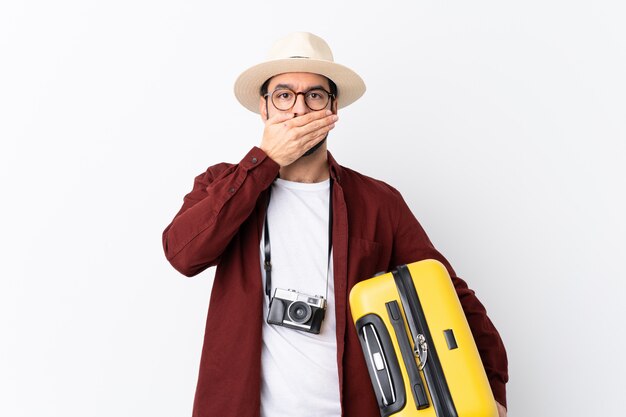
(300, 107)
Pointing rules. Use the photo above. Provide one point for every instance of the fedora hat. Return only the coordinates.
(298, 52)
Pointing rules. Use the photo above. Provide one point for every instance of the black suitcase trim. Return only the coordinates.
(433, 373)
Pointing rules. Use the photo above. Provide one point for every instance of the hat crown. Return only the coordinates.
(301, 45)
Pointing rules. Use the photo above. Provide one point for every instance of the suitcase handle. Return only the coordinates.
(417, 386)
(382, 364)
(376, 357)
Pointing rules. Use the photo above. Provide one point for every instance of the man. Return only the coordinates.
(288, 217)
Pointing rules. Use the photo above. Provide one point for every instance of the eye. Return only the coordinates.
(317, 95)
(283, 95)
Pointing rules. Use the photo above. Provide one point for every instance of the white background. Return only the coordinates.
(503, 124)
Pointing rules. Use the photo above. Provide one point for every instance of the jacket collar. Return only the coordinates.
(334, 168)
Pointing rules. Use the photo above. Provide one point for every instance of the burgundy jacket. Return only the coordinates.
(220, 223)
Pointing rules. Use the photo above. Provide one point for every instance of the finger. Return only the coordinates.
(316, 140)
(317, 125)
(279, 118)
(307, 118)
(309, 140)
(501, 410)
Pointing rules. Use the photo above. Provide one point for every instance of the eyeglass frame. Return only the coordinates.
(331, 97)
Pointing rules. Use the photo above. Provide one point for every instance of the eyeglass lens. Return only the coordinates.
(285, 99)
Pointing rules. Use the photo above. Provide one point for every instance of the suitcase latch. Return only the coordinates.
(421, 350)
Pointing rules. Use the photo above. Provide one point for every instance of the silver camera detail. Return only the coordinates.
(296, 310)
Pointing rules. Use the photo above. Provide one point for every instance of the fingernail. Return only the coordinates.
(335, 118)
(328, 112)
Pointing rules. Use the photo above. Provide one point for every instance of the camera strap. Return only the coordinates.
(267, 264)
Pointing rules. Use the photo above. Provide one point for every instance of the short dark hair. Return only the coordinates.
(331, 85)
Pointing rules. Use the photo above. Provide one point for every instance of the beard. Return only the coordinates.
(316, 147)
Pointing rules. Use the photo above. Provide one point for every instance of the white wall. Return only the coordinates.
(502, 123)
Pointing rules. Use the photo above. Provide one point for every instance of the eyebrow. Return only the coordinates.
(290, 87)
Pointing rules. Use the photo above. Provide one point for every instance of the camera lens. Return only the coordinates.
(299, 312)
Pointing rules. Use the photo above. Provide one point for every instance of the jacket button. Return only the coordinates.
(254, 160)
(231, 190)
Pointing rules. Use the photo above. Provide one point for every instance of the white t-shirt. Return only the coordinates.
(299, 375)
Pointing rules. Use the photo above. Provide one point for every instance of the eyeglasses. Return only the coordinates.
(315, 99)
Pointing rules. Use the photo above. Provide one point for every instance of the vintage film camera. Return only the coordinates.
(297, 311)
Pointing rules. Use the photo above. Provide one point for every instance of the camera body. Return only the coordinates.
(297, 311)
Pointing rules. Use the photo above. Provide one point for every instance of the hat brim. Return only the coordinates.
(350, 86)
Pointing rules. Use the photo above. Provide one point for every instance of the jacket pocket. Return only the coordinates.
(364, 258)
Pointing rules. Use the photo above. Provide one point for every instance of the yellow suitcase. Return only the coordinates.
(419, 349)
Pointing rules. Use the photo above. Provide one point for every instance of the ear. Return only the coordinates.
(263, 108)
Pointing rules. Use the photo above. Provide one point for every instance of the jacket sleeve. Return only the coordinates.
(221, 200)
(411, 244)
